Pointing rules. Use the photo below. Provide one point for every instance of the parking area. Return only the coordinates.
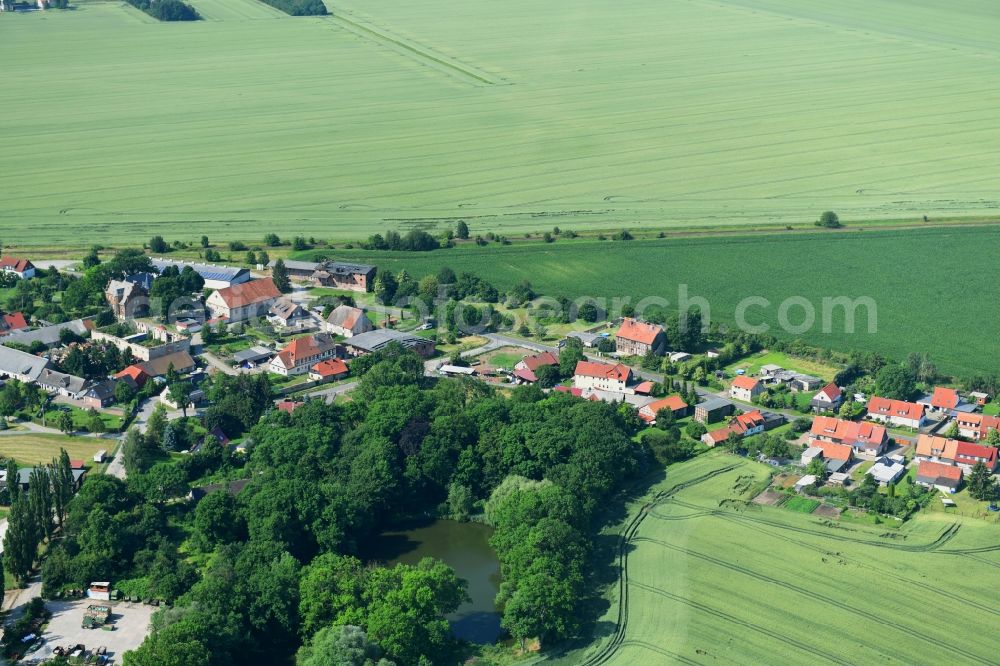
(131, 622)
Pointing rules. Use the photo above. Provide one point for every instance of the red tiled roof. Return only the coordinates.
(835, 451)
(617, 371)
(644, 388)
(969, 453)
(719, 435)
(568, 389)
(330, 368)
(674, 402)
(15, 264)
(14, 321)
(135, 373)
(847, 432)
(944, 398)
(745, 382)
(302, 348)
(248, 293)
(526, 375)
(289, 406)
(639, 331)
(831, 391)
(536, 361)
(745, 422)
(929, 469)
(981, 423)
(899, 408)
(77, 464)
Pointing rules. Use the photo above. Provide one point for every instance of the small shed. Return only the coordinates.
(807, 480)
(99, 590)
(100, 455)
(810, 454)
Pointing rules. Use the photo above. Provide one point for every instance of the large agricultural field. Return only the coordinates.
(763, 584)
(936, 290)
(516, 116)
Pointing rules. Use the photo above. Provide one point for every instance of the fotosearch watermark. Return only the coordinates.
(753, 314)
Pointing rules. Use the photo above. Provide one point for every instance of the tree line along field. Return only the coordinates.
(516, 116)
(751, 584)
(935, 289)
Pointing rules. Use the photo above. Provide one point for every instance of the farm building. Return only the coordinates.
(811, 453)
(339, 275)
(675, 403)
(745, 388)
(20, 365)
(638, 338)
(13, 321)
(215, 277)
(524, 370)
(712, 410)
(252, 357)
(287, 313)
(946, 402)
(181, 361)
(59, 383)
(587, 339)
(297, 270)
(602, 376)
(50, 336)
(134, 375)
(380, 338)
(348, 321)
(243, 301)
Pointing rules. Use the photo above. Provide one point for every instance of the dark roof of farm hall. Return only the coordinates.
(341, 268)
(379, 338)
(207, 271)
(293, 265)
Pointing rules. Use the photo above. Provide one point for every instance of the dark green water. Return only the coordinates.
(465, 548)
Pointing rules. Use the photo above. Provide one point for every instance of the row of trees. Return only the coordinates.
(35, 514)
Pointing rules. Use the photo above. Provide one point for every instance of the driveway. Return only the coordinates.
(131, 622)
(331, 392)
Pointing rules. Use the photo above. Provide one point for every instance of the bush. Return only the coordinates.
(167, 10)
(299, 7)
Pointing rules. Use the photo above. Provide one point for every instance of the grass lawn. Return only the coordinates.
(859, 474)
(754, 363)
(992, 408)
(706, 564)
(33, 449)
(505, 357)
(801, 504)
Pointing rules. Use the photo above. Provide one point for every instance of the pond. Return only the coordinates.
(465, 548)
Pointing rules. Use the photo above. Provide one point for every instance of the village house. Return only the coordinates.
(745, 388)
(243, 301)
(348, 321)
(215, 277)
(675, 403)
(712, 410)
(943, 477)
(955, 452)
(638, 338)
(524, 370)
(59, 383)
(22, 268)
(944, 402)
(329, 370)
(181, 361)
(339, 275)
(24, 477)
(836, 456)
(380, 338)
(127, 299)
(302, 353)
(976, 426)
(602, 376)
(896, 412)
(866, 438)
(744, 425)
(887, 470)
(827, 399)
(134, 375)
(101, 394)
(50, 336)
(12, 321)
(286, 313)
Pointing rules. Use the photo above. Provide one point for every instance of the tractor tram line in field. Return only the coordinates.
(874, 617)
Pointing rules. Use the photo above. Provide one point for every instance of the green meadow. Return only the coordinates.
(516, 116)
(935, 290)
(714, 579)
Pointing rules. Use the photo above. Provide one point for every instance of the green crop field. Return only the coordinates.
(749, 584)
(935, 290)
(515, 116)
